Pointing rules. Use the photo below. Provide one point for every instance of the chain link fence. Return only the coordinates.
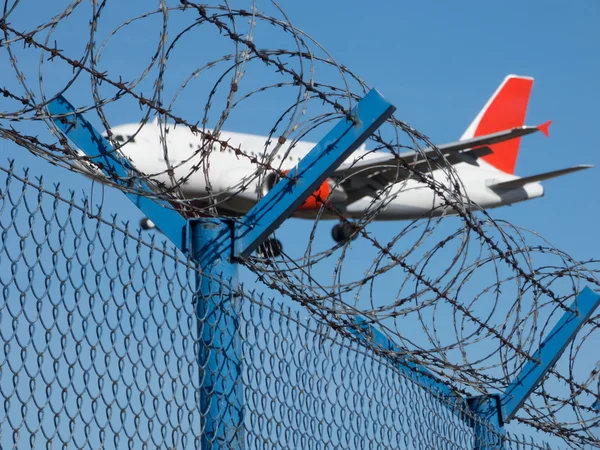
(424, 334)
(100, 344)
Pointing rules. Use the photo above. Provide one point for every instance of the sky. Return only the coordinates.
(437, 62)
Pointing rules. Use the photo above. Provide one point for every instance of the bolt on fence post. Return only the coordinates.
(219, 341)
(487, 423)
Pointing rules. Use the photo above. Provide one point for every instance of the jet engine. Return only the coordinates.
(328, 190)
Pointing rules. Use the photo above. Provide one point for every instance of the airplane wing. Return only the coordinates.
(519, 182)
(368, 175)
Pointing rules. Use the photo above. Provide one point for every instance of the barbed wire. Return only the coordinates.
(474, 296)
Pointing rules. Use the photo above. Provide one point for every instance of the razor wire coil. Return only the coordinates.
(495, 329)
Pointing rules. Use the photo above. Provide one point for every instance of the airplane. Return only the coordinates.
(484, 160)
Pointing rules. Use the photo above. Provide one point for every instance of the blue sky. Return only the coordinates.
(437, 61)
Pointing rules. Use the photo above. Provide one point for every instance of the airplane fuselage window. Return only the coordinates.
(121, 138)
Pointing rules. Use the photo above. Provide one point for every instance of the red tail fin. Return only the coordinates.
(505, 109)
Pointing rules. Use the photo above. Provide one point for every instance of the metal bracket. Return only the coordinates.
(488, 425)
(534, 371)
(488, 406)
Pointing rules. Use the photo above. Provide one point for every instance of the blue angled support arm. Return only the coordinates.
(116, 168)
(287, 195)
(550, 350)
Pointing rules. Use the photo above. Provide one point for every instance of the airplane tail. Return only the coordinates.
(504, 110)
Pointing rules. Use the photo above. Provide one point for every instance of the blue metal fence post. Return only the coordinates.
(216, 245)
(219, 342)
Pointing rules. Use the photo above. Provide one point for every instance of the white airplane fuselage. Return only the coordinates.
(225, 172)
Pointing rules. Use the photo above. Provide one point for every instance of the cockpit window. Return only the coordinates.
(121, 138)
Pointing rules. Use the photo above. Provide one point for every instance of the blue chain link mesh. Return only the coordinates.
(100, 341)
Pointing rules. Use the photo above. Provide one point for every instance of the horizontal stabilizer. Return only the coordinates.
(519, 182)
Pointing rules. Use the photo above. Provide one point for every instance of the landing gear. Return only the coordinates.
(271, 248)
(344, 232)
(147, 224)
